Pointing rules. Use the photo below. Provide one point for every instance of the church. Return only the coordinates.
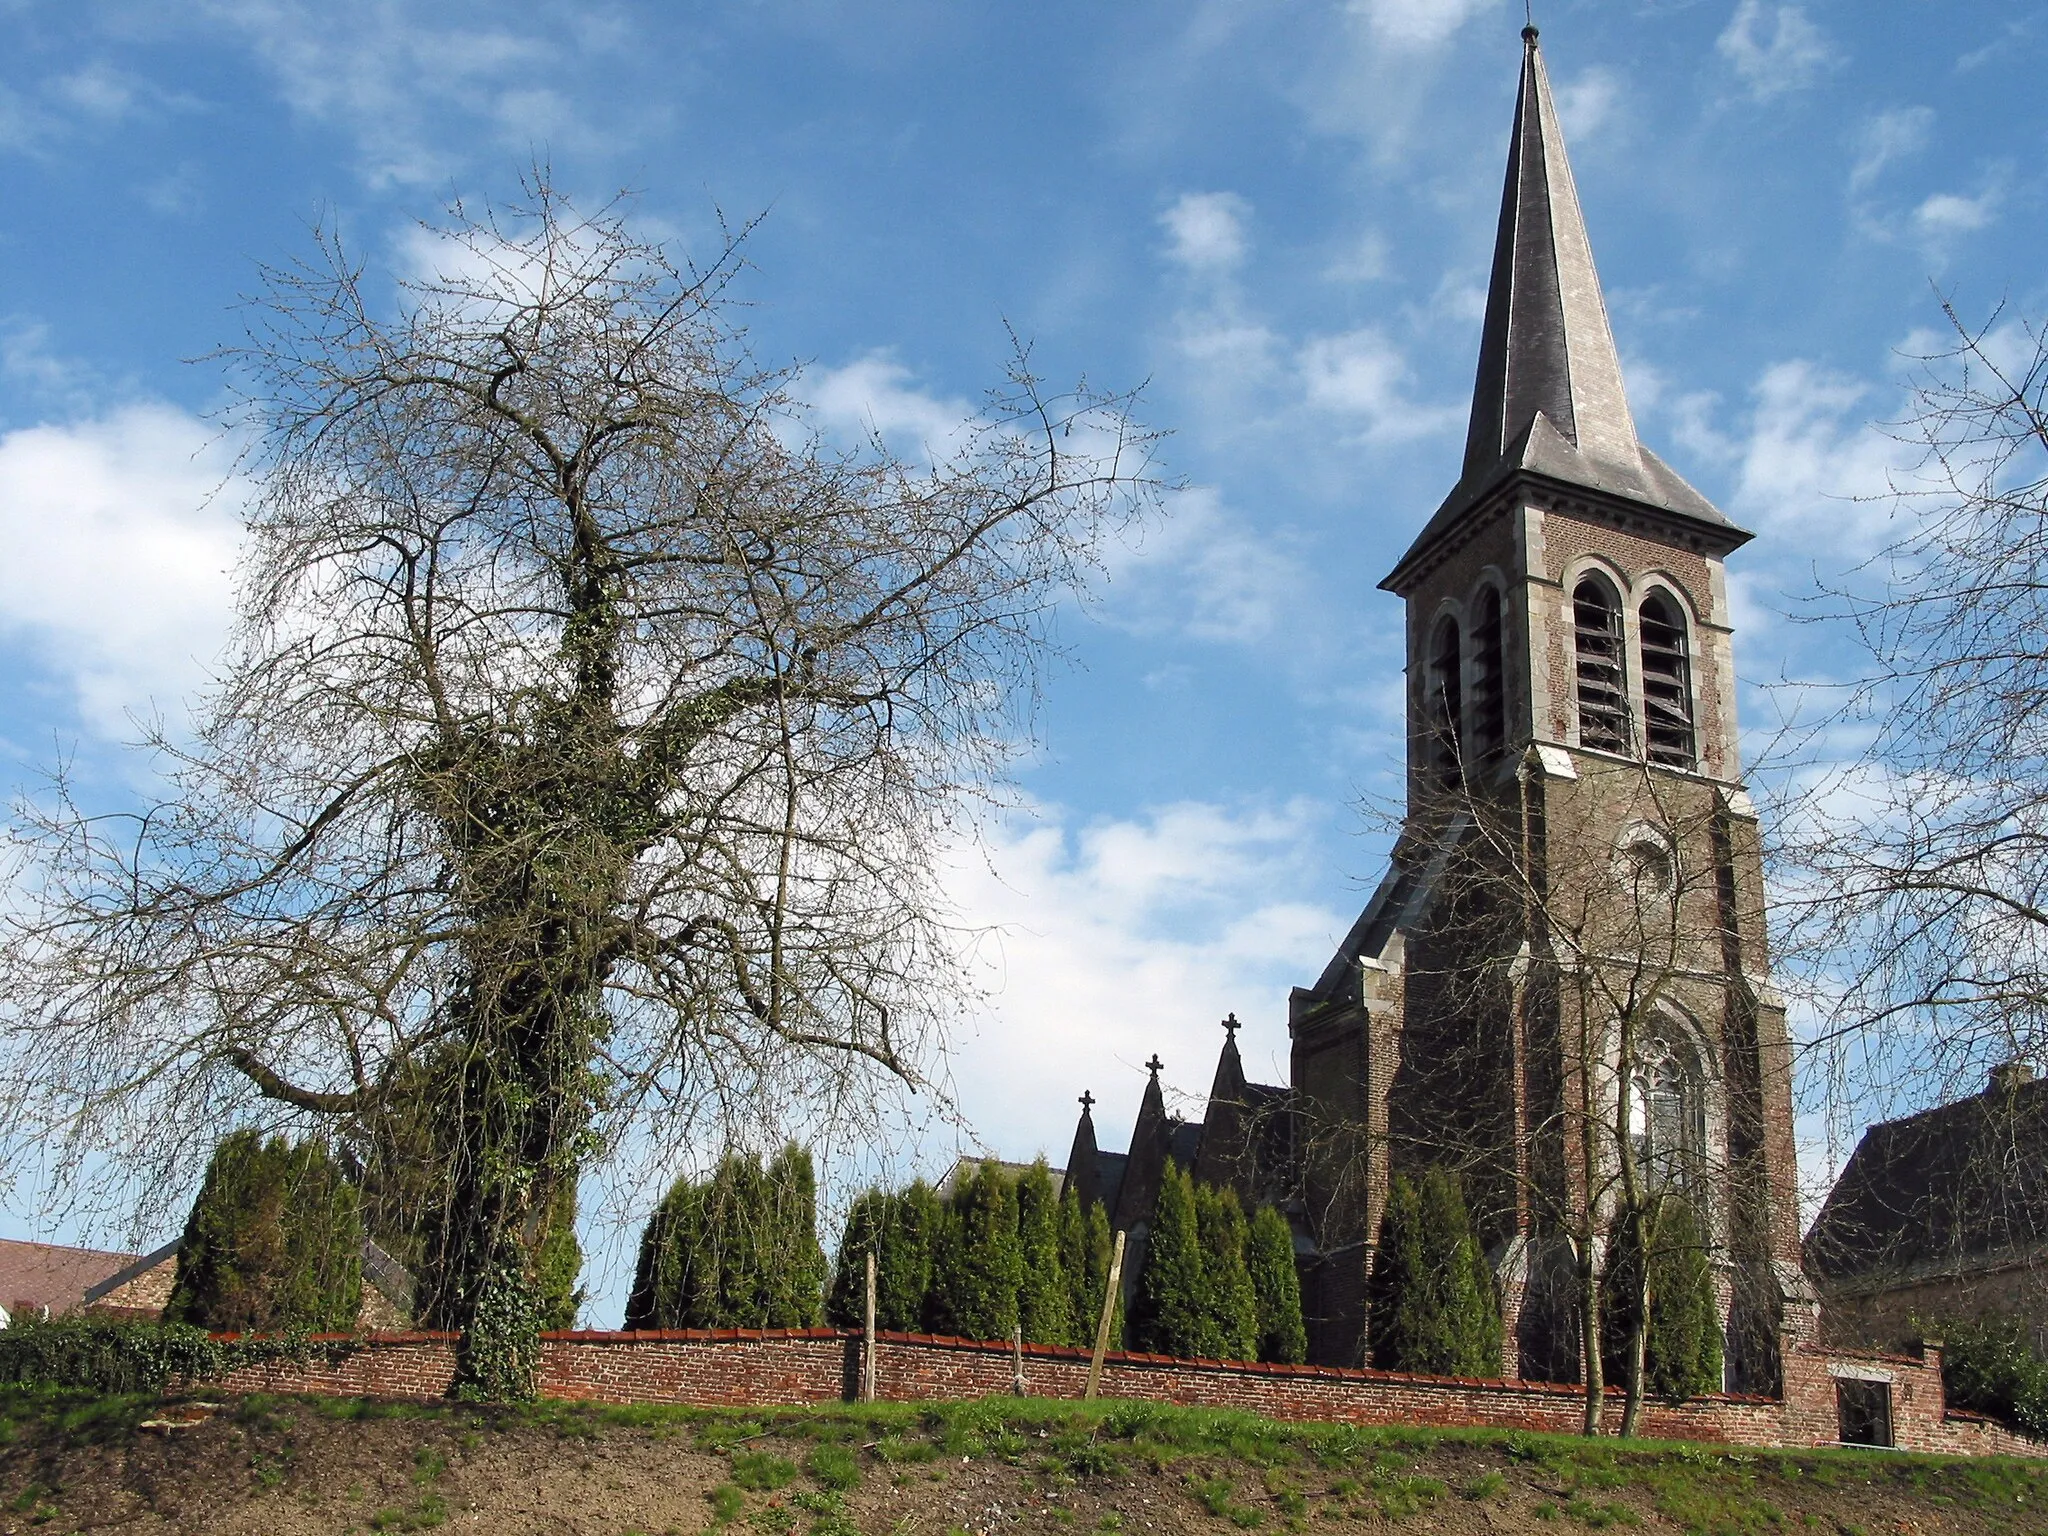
(1560, 987)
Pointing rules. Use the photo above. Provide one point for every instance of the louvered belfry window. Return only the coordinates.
(1596, 633)
(1446, 703)
(1489, 697)
(1667, 684)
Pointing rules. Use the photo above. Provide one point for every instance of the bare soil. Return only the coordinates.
(296, 1468)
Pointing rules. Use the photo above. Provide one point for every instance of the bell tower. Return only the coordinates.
(1560, 988)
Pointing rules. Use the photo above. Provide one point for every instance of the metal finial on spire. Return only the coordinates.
(1087, 1101)
(1155, 1066)
(1231, 1026)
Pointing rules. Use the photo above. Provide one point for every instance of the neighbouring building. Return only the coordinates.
(1940, 1216)
(51, 1280)
(1579, 859)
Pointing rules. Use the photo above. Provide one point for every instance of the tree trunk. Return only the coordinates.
(1638, 1331)
(1589, 1335)
(514, 1109)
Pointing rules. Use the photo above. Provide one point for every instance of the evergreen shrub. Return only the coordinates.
(1169, 1314)
(1045, 1303)
(739, 1250)
(1269, 1256)
(559, 1264)
(1988, 1366)
(1230, 1307)
(1433, 1307)
(981, 1267)
(1682, 1346)
(868, 1222)
(274, 1242)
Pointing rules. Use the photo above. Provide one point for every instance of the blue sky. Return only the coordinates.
(1278, 213)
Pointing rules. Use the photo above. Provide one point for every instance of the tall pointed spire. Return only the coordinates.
(1548, 399)
(1547, 345)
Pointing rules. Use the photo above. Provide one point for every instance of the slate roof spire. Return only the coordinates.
(1547, 345)
(1548, 398)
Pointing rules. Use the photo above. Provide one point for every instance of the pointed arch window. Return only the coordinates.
(1667, 683)
(1489, 694)
(1446, 702)
(1596, 637)
(1667, 1111)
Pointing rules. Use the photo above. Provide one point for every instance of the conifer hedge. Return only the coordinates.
(1003, 1252)
(1169, 1312)
(1269, 1256)
(980, 1269)
(1230, 1308)
(739, 1250)
(1433, 1307)
(1045, 1303)
(274, 1242)
(1085, 1248)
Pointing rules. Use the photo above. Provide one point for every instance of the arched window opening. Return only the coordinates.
(1667, 684)
(1596, 632)
(1446, 703)
(1489, 695)
(1667, 1113)
(1650, 871)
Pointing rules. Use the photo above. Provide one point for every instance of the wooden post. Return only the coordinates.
(1017, 1358)
(1109, 1295)
(867, 1349)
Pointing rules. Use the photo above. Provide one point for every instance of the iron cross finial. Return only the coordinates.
(1087, 1101)
(1155, 1066)
(1231, 1026)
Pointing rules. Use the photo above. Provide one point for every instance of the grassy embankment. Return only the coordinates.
(71, 1463)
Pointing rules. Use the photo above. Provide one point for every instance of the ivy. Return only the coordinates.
(498, 1358)
(106, 1356)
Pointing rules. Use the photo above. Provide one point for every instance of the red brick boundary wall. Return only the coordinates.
(774, 1367)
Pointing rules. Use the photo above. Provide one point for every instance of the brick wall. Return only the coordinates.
(758, 1368)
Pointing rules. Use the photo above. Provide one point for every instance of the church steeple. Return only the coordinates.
(1548, 398)
(1547, 345)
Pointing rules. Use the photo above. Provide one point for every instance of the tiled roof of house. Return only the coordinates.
(38, 1275)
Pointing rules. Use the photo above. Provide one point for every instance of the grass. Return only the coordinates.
(762, 1471)
(1238, 1467)
(727, 1503)
(835, 1465)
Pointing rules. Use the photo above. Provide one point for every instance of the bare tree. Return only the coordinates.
(1917, 874)
(581, 763)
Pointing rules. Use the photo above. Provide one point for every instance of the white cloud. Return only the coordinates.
(119, 553)
(1949, 213)
(1810, 465)
(1120, 938)
(1889, 136)
(1362, 374)
(875, 395)
(1588, 104)
(1774, 48)
(1205, 573)
(1366, 260)
(1207, 231)
(1417, 23)
(384, 73)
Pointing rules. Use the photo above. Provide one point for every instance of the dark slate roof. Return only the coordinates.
(1548, 397)
(1109, 1169)
(1184, 1143)
(1940, 1188)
